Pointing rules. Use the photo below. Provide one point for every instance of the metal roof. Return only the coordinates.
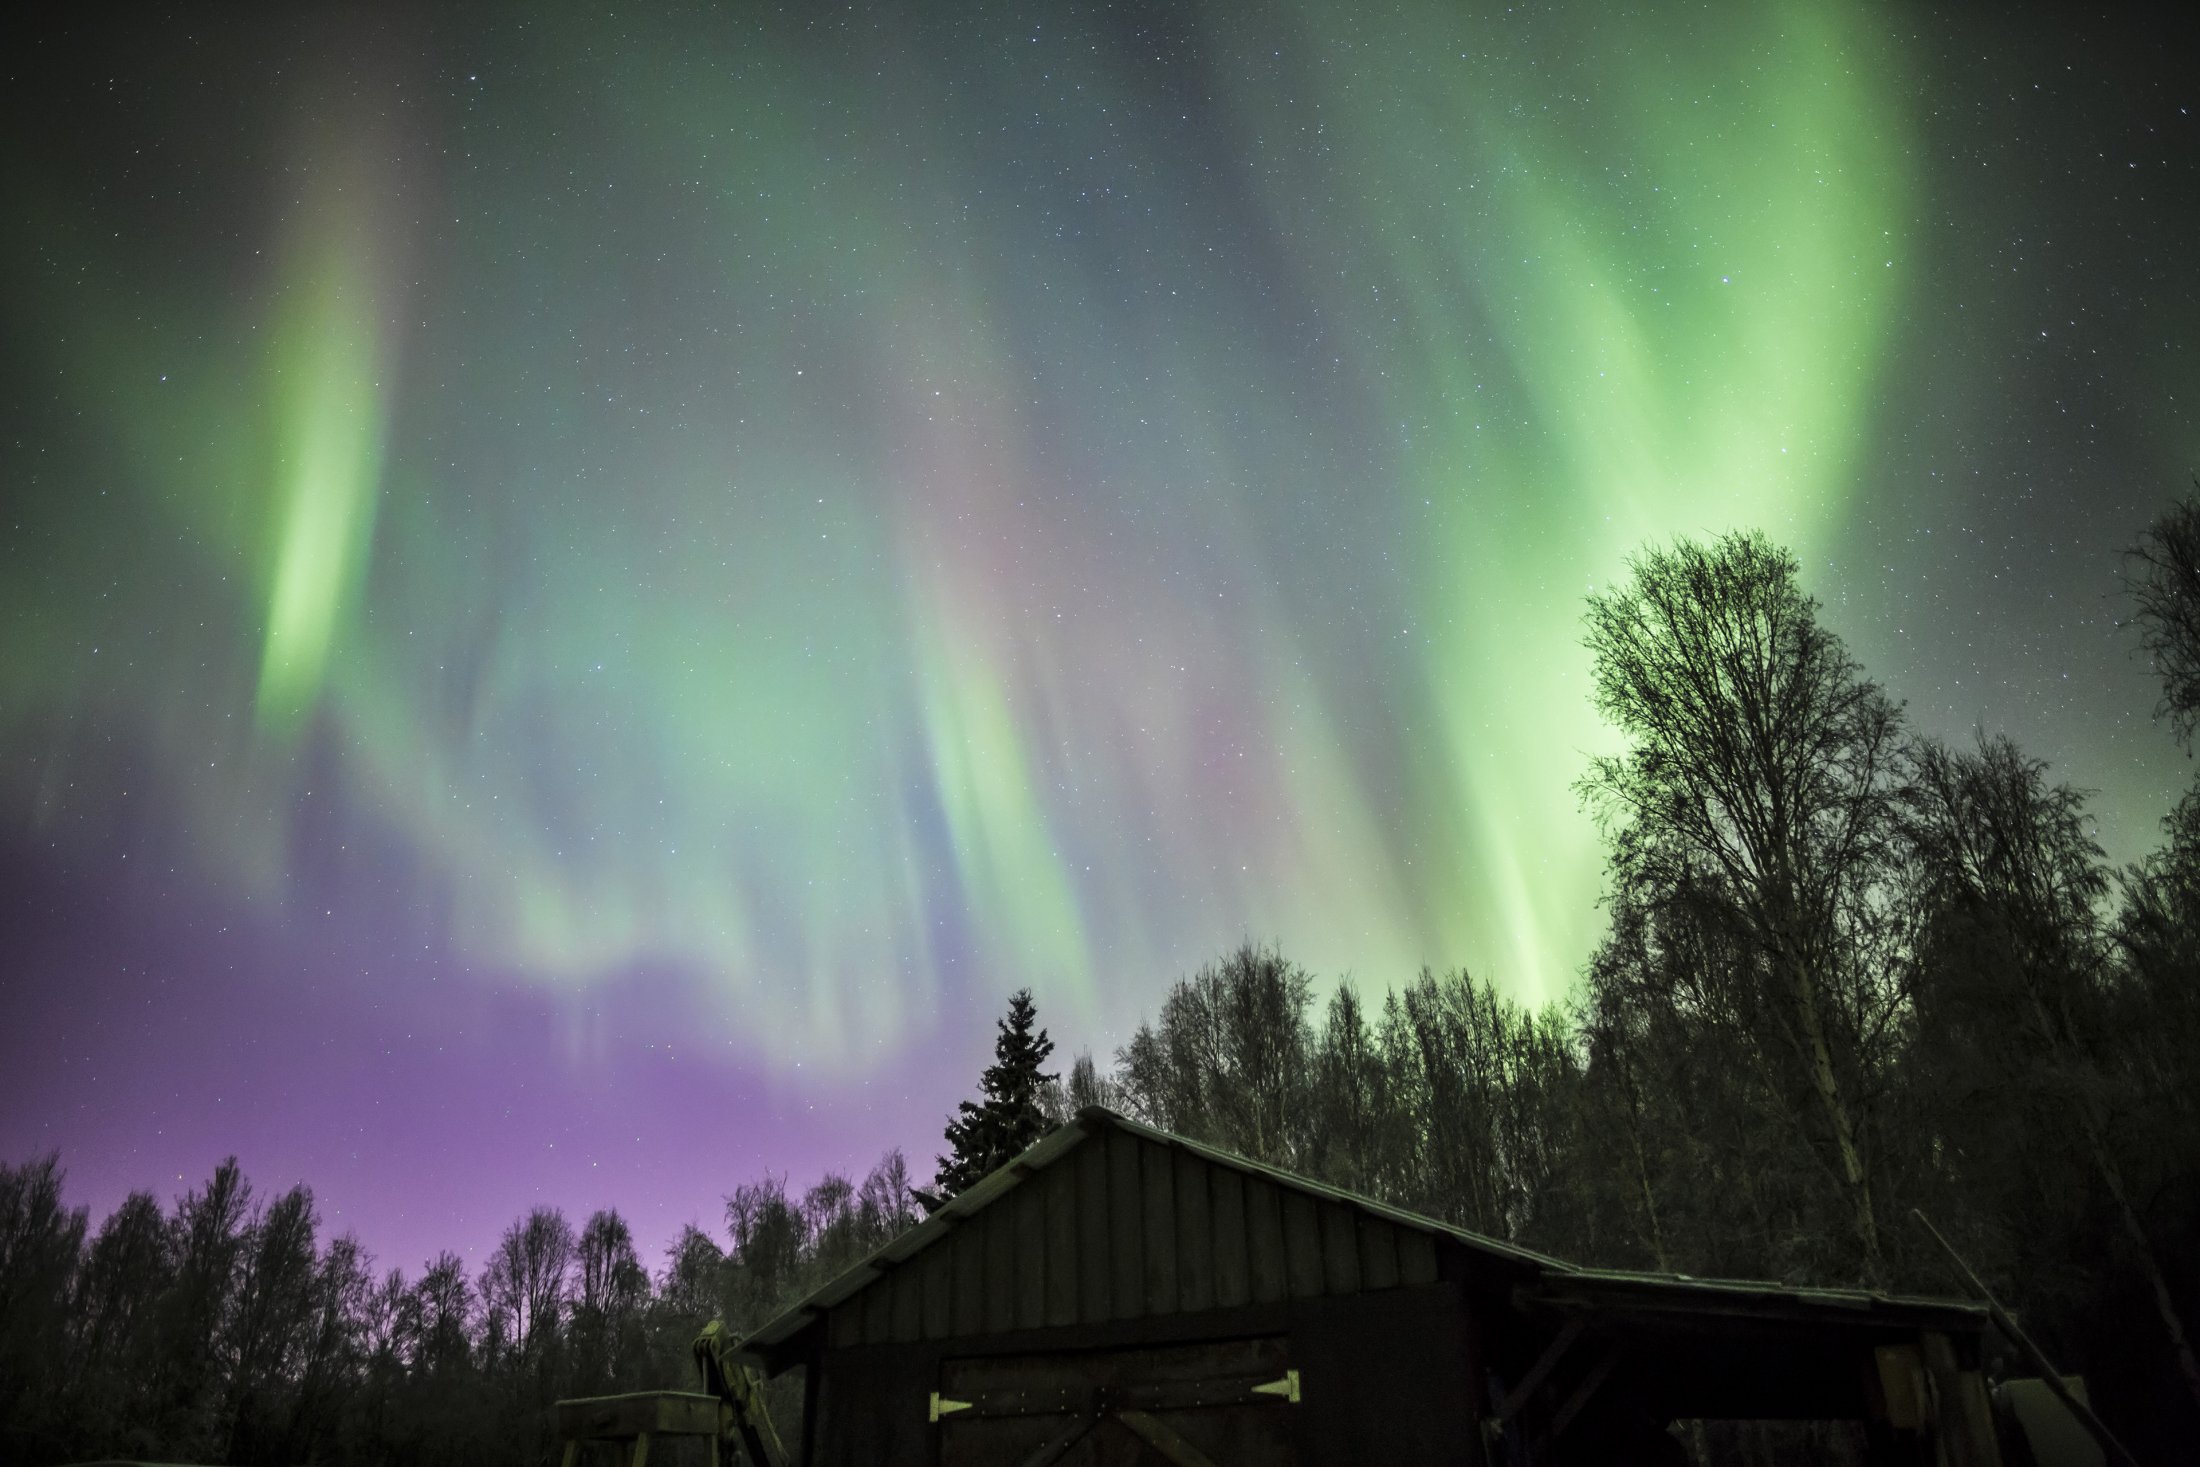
(1561, 1282)
(759, 1345)
(1618, 1288)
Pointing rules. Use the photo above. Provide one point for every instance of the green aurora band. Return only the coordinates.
(1645, 292)
(326, 371)
(737, 531)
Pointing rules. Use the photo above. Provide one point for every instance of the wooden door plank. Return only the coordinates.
(1164, 1439)
(1047, 1453)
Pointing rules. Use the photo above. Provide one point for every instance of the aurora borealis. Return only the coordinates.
(582, 594)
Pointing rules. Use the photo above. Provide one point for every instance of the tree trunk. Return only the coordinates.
(2172, 1321)
(2112, 1177)
(1642, 1166)
(1826, 1083)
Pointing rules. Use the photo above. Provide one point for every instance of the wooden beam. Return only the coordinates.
(1164, 1439)
(2033, 1355)
(1581, 1394)
(1963, 1419)
(1517, 1397)
(1052, 1451)
(686, 1413)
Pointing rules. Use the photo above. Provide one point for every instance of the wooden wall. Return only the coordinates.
(1126, 1228)
(1385, 1377)
(1126, 1242)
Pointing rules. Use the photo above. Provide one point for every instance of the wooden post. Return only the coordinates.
(1963, 1419)
(2033, 1355)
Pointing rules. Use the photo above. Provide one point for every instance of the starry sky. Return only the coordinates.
(583, 590)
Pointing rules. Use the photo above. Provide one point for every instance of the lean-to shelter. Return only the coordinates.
(1117, 1294)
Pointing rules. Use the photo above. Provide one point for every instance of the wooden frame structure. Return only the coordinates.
(1115, 1278)
(637, 1420)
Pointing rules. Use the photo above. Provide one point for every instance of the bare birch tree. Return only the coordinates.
(1758, 777)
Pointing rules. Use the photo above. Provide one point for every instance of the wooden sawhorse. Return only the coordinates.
(639, 1418)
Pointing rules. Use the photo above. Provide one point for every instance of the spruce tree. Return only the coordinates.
(1007, 1117)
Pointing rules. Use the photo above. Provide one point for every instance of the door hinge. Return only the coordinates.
(941, 1406)
(1288, 1387)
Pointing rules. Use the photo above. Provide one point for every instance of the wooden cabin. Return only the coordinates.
(1117, 1294)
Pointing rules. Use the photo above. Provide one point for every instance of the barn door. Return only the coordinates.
(1223, 1403)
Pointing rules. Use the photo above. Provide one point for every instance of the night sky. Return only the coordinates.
(584, 591)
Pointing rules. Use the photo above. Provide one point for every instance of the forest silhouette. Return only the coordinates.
(1850, 971)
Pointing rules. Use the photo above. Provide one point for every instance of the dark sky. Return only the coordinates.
(583, 593)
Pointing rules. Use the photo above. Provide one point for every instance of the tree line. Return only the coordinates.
(224, 1328)
(1848, 971)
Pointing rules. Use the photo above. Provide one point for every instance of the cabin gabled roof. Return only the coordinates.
(769, 1344)
(800, 1331)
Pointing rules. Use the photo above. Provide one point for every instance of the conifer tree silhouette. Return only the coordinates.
(1008, 1117)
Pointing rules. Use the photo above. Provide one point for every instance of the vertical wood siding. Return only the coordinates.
(1126, 1228)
